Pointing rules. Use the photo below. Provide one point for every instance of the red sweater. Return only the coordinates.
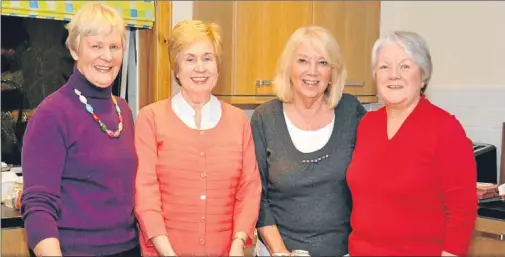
(414, 194)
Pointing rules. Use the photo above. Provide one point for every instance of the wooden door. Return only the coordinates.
(263, 28)
(356, 26)
(221, 13)
(489, 238)
(14, 242)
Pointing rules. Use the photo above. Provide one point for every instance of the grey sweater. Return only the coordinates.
(306, 194)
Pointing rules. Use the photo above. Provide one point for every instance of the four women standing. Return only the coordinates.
(206, 177)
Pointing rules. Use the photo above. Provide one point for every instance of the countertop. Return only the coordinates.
(11, 218)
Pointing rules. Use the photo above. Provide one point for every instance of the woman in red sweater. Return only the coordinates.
(413, 173)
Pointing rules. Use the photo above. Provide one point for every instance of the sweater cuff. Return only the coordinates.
(39, 226)
(152, 225)
(457, 243)
(265, 219)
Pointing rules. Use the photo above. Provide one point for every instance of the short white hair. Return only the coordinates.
(415, 47)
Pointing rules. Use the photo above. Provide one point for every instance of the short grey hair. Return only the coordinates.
(415, 47)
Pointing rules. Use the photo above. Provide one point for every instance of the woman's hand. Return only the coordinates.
(163, 246)
(237, 248)
(444, 253)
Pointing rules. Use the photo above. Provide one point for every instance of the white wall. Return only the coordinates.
(467, 43)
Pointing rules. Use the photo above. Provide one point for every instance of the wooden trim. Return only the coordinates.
(154, 65)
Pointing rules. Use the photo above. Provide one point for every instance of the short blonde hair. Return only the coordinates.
(188, 32)
(322, 40)
(91, 19)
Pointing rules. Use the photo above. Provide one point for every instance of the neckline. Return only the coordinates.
(290, 122)
(195, 130)
(78, 81)
(281, 123)
(405, 122)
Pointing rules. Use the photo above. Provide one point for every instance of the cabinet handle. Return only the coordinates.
(355, 84)
(260, 83)
(499, 237)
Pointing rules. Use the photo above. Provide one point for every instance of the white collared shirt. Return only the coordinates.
(211, 112)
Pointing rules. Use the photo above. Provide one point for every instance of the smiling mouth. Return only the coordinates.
(394, 86)
(199, 80)
(101, 68)
(310, 82)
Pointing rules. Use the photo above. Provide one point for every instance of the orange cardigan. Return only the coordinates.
(196, 187)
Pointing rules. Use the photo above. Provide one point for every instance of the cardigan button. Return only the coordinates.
(203, 197)
(202, 153)
(203, 175)
(202, 241)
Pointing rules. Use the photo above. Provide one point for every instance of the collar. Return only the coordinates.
(211, 112)
(88, 89)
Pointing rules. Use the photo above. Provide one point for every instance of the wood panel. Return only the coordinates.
(154, 65)
(220, 12)
(355, 25)
(485, 241)
(263, 28)
(14, 242)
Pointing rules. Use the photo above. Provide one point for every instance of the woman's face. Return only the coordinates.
(198, 71)
(310, 72)
(99, 57)
(398, 78)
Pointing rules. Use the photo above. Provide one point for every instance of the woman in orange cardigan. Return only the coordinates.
(198, 186)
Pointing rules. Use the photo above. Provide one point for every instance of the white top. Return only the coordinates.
(307, 141)
(211, 112)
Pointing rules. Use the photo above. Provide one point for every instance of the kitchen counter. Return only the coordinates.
(11, 218)
(494, 210)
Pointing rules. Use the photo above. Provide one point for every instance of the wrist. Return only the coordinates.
(281, 252)
(239, 238)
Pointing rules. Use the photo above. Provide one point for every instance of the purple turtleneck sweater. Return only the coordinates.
(79, 182)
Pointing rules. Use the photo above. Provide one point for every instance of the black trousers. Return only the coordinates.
(135, 252)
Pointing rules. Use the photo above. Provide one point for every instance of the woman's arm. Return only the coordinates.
(267, 228)
(147, 192)
(248, 195)
(44, 153)
(456, 164)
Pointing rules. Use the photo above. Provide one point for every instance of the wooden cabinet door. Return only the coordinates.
(14, 242)
(263, 28)
(489, 238)
(356, 26)
(221, 13)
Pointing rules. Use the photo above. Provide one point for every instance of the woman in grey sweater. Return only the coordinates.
(304, 142)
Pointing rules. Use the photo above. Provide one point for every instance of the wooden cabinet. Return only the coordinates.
(263, 28)
(154, 74)
(14, 242)
(255, 33)
(489, 238)
(355, 25)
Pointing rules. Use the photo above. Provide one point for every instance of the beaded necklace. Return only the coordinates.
(103, 127)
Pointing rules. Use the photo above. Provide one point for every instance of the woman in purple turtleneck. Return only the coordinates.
(79, 160)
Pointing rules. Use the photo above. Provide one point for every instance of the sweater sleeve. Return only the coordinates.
(43, 155)
(248, 195)
(456, 164)
(147, 192)
(266, 218)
